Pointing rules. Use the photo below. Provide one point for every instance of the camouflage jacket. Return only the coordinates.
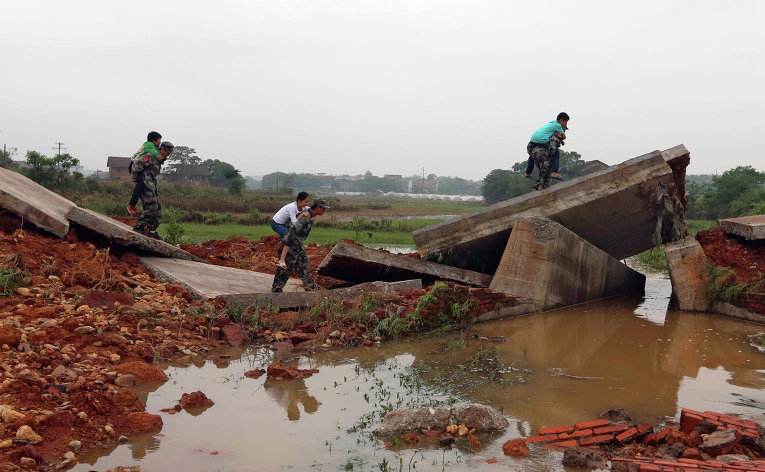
(299, 230)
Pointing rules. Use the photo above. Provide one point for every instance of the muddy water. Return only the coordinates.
(542, 370)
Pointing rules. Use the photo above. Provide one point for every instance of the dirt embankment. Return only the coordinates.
(746, 258)
(83, 323)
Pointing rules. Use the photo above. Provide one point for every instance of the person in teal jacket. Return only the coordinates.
(544, 144)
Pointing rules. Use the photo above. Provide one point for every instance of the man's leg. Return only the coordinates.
(555, 164)
(529, 167)
(541, 156)
(303, 269)
(149, 217)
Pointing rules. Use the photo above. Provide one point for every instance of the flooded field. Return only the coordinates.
(542, 370)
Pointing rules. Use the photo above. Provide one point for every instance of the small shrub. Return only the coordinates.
(10, 278)
(174, 230)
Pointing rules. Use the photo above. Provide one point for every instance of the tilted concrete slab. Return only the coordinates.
(124, 235)
(689, 273)
(205, 281)
(362, 264)
(748, 227)
(309, 299)
(33, 202)
(613, 209)
(552, 267)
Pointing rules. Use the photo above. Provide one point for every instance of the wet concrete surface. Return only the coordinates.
(635, 354)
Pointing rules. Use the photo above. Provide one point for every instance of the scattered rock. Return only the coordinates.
(10, 336)
(581, 460)
(110, 431)
(27, 463)
(233, 334)
(126, 380)
(84, 330)
(106, 300)
(11, 416)
(733, 458)
(69, 459)
(122, 439)
(142, 422)
(278, 371)
(515, 447)
(25, 433)
(720, 442)
(75, 445)
(616, 415)
(195, 400)
(142, 372)
(254, 373)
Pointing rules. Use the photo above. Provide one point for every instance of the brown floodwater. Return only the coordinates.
(541, 370)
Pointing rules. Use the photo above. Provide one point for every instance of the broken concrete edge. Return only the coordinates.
(45, 221)
(123, 235)
(161, 277)
(630, 183)
(733, 311)
(554, 267)
(350, 260)
(689, 274)
(751, 228)
(314, 298)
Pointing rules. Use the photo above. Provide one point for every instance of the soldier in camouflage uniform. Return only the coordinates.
(543, 154)
(296, 257)
(146, 170)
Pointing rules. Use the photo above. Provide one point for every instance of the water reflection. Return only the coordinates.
(290, 393)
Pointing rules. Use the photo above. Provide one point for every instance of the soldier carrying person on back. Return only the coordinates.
(296, 257)
(145, 170)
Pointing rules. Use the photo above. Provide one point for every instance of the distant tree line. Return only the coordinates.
(504, 184)
(184, 161)
(737, 192)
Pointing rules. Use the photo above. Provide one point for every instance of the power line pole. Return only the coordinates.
(59, 147)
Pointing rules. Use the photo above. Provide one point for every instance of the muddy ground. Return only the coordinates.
(746, 258)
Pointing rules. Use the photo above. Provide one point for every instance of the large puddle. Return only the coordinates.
(542, 370)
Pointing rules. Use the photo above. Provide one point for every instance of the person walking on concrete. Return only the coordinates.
(151, 146)
(146, 170)
(544, 144)
(297, 258)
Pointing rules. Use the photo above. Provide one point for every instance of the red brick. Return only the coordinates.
(581, 432)
(685, 460)
(661, 434)
(689, 421)
(603, 438)
(715, 422)
(569, 443)
(591, 424)
(649, 439)
(545, 438)
(750, 433)
(649, 468)
(611, 429)
(556, 430)
(644, 428)
(688, 410)
(627, 435)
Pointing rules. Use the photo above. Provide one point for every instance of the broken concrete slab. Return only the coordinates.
(748, 227)
(205, 281)
(613, 209)
(362, 264)
(124, 235)
(689, 273)
(308, 299)
(33, 202)
(553, 267)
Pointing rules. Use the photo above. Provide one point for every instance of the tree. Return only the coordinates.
(496, 186)
(182, 158)
(50, 171)
(735, 192)
(62, 163)
(6, 157)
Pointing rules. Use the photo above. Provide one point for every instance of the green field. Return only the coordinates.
(196, 233)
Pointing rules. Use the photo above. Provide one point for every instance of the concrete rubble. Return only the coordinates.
(748, 227)
(367, 265)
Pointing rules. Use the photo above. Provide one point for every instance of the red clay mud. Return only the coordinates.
(746, 258)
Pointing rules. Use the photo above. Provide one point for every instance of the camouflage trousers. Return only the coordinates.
(296, 259)
(152, 212)
(542, 155)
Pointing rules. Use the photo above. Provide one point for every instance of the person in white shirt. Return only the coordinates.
(287, 215)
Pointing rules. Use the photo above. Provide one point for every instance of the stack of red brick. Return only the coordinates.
(754, 302)
(689, 419)
(647, 464)
(485, 300)
(590, 433)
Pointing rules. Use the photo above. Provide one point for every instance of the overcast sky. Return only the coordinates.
(454, 87)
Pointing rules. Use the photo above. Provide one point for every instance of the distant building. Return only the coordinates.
(118, 168)
(187, 174)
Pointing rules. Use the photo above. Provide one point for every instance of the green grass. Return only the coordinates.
(196, 233)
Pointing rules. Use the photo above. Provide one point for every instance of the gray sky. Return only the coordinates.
(456, 87)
